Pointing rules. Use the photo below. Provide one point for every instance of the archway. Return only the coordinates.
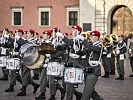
(121, 20)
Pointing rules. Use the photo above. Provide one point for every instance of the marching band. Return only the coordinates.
(55, 56)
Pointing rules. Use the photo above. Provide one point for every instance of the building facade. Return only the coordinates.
(39, 15)
(111, 16)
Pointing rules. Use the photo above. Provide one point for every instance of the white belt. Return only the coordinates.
(72, 55)
(104, 53)
(94, 62)
(83, 56)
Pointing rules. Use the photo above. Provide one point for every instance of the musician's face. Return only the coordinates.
(24, 35)
(5, 32)
(45, 36)
(75, 32)
(36, 36)
(94, 38)
(18, 33)
(29, 35)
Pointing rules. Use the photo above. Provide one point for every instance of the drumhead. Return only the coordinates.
(31, 56)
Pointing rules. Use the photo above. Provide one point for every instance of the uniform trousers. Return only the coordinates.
(89, 90)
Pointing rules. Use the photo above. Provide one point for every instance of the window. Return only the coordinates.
(44, 16)
(72, 16)
(87, 27)
(17, 16)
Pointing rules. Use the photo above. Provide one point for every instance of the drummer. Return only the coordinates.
(3, 39)
(43, 77)
(74, 59)
(15, 76)
(26, 73)
(55, 57)
(93, 70)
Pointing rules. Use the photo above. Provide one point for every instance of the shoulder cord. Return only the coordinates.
(99, 60)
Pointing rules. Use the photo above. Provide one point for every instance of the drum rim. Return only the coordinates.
(38, 64)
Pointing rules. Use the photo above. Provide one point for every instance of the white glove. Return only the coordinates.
(58, 34)
(118, 51)
(130, 50)
(45, 65)
(17, 37)
(16, 45)
(15, 53)
(6, 36)
(79, 37)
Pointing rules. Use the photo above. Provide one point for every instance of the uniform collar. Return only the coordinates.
(97, 42)
(30, 39)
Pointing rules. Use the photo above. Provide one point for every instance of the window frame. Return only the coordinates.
(17, 10)
(69, 9)
(44, 9)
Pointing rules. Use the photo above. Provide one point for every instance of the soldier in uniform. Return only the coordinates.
(106, 56)
(113, 54)
(120, 51)
(74, 59)
(55, 57)
(15, 76)
(26, 72)
(93, 70)
(3, 43)
(43, 76)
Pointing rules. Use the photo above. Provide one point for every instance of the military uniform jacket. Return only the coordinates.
(107, 51)
(122, 48)
(94, 50)
(74, 58)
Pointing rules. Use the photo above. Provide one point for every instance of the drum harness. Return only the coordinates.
(93, 64)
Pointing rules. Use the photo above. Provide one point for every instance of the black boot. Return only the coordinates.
(23, 91)
(36, 77)
(121, 77)
(10, 89)
(106, 75)
(36, 86)
(52, 97)
(63, 91)
(112, 72)
(78, 95)
(41, 96)
(4, 78)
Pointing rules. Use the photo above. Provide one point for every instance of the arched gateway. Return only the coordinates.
(121, 20)
(119, 16)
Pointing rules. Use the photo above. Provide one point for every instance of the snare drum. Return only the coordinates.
(3, 60)
(55, 69)
(74, 75)
(13, 63)
(3, 51)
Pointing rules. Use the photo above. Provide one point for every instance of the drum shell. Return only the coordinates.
(55, 69)
(4, 51)
(13, 63)
(3, 61)
(74, 75)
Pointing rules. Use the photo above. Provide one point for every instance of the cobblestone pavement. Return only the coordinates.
(109, 89)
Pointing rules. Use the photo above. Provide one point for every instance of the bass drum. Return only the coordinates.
(30, 56)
